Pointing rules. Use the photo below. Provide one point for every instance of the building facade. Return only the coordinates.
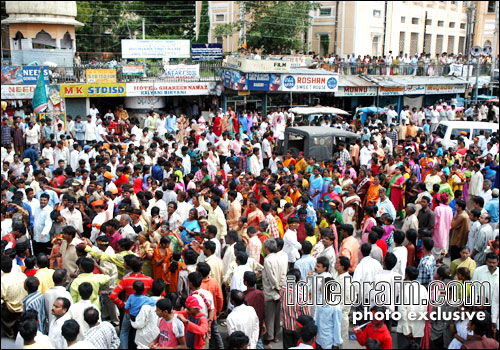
(376, 27)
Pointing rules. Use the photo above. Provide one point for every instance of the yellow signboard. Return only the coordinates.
(101, 76)
(93, 90)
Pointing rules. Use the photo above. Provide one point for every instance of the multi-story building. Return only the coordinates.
(375, 27)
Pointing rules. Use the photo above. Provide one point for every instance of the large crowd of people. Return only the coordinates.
(189, 232)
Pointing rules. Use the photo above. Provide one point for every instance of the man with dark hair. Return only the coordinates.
(101, 334)
(306, 262)
(214, 262)
(70, 331)
(68, 249)
(210, 284)
(488, 272)
(35, 301)
(350, 246)
(243, 318)
(95, 280)
(60, 311)
(255, 298)
(388, 277)
(238, 340)
(28, 331)
(460, 226)
(204, 297)
(427, 264)
(484, 235)
(238, 272)
(480, 328)
(291, 245)
(44, 274)
(328, 239)
(58, 291)
(85, 291)
(42, 225)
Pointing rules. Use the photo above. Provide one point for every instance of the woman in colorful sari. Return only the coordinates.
(161, 258)
(457, 179)
(444, 187)
(315, 187)
(395, 191)
(289, 159)
(189, 227)
(327, 180)
(253, 214)
(372, 195)
(351, 207)
(142, 248)
(464, 261)
(369, 222)
(411, 190)
(329, 197)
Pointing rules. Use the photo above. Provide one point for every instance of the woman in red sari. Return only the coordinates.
(395, 191)
(253, 214)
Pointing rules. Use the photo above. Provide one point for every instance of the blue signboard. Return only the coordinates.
(263, 81)
(206, 52)
(30, 74)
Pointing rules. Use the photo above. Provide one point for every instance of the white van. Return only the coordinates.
(448, 132)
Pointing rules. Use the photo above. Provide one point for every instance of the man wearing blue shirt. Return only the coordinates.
(306, 262)
(171, 123)
(53, 198)
(329, 321)
(492, 207)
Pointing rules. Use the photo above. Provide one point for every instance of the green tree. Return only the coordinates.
(204, 23)
(277, 26)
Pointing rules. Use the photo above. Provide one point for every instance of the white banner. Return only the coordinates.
(168, 89)
(414, 90)
(444, 89)
(182, 71)
(309, 83)
(348, 91)
(156, 48)
(456, 69)
(18, 92)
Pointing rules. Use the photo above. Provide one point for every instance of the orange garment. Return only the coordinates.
(295, 197)
(158, 270)
(372, 195)
(173, 277)
(289, 161)
(300, 165)
(350, 249)
(280, 225)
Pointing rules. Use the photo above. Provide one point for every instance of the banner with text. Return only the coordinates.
(168, 89)
(17, 92)
(132, 70)
(92, 90)
(101, 76)
(155, 48)
(444, 89)
(414, 90)
(206, 52)
(182, 71)
(31, 73)
(309, 83)
(391, 90)
(352, 91)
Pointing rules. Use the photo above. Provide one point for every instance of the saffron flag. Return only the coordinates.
(40, 101)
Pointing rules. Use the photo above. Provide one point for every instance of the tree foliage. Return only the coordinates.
(107, 22)
(278, 26)
(204, 23)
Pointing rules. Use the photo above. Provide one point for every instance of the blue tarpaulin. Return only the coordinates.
(370, 110)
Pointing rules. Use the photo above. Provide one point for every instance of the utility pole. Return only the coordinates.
(494, 50)
(144, 38)
(243, 19)
(471, 14)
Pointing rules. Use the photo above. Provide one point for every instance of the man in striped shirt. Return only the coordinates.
(35, 301)
(291, 310)
(273, 226)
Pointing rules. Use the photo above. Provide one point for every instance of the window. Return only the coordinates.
(440, 23)
(325, 12)
(375, 46)
(43, 40)
(457, 133)
(402, 41)
(428, 22)
(477, 132)
(219, 18)
(66, 42)
(462, 25)
(427, 43)
(461, 44)
(413, 44)
(376, 13)
(414, 20)
(452, 24)
(403, 19)
(451, 44)
(491, 6)
(439, 44)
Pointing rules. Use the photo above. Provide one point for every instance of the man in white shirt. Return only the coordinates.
(254, 161)
(365, 154)
(390, 277)
(414, 327)
(203, 143)
(76, 310)
(239, 271)
(93, 113)
(60, 310)
(366, 270)
(90, 130)
(291, 244)
(243, 318)
(183, 207)
(476, 184)
(391, 114)
(73, 216)
(400, 252)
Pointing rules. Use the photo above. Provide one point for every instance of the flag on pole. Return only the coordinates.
(40, 101)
